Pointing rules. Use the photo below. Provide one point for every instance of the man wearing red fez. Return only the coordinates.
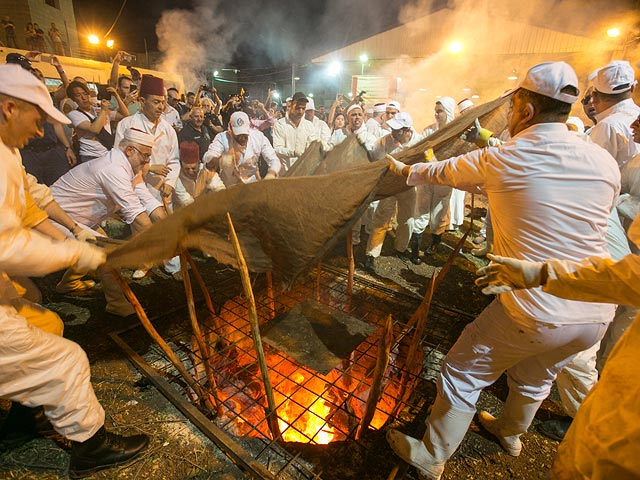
(194, 179)
(164, 166)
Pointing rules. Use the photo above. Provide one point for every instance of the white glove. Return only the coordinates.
(395, 166)
(362, 138)
(472, 133)
(89, 257)
(504, 274)
(84, 235)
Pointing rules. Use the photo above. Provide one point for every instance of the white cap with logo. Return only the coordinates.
(239, 123)
(19, 83)
(616, 77)
(550, 79)
(401, 120)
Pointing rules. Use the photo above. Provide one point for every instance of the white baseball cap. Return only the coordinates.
(616, 77)
(549, 79)
(19, 83)
(393, 104)
(401, 120)
(239, 123)
(310, 105)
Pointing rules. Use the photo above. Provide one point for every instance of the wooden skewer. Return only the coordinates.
(272, 418)
(202, 346)
(153, 333)
(318, 278)
(352, 267)
(384, 349)
(272, 305)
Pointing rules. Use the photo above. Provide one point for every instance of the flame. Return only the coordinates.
(300, 424)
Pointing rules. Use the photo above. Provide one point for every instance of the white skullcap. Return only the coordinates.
(310, 105)
(139, 137)
(380, 108)
(464, 104)
(355, 105)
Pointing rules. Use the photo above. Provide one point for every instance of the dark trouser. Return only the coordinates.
(46, 166)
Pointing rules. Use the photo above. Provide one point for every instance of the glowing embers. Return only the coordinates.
(310, 407)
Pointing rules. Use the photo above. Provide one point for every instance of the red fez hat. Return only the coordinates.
(150, 85)
(189, 152)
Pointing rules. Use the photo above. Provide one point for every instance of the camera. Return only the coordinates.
(127, 58)
(103, 94)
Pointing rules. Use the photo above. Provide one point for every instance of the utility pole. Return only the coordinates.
(293, 79)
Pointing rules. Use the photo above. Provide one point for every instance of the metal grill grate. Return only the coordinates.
(300, 391)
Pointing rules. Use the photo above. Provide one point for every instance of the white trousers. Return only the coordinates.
(532, 353)
(383, 218)
(41, 369)
(456, 207)
(432, 209)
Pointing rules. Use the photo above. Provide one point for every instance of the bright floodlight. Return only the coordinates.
(109, 43)
(455, 47)
(275, 94)
(334, 68)
(613, 32)
(216, 73)
(310, 95)
(364, 58)
(93, 39)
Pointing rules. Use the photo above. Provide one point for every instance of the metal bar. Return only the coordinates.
(216, 435)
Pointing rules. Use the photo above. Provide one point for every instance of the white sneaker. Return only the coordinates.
(415, 453)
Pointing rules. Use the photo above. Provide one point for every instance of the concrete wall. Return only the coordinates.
(37, 11)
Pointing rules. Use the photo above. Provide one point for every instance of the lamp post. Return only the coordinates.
(364, 58)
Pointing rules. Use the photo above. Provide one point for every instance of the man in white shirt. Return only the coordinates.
(323, 132)
(355, 125)
(374, 124)
(402, 136)
(194, 179)
(39, 368)
(529, 334)
(613, 86)
(235, 153)
(293, 133)
(94, 190)
(164, 166)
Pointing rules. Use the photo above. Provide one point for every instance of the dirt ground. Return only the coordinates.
(180, 451)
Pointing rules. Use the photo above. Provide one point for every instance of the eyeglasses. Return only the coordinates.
(146, 156)
(585, 101)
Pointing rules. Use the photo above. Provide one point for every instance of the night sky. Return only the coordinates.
(273, 32)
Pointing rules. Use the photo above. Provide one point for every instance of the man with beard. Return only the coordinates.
(235, 153)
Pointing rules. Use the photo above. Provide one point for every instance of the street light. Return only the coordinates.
(364, 58)
(110, 43)
(93, 39)
(613, 32)
(455, 47)
(334, 68)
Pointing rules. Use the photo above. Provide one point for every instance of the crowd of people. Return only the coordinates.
(138, 149)
(34, 37)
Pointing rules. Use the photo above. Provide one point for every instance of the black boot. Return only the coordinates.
(370, 264)
(104, 450)
(23, 424)
(414, 243)
(556, 429)
(435, 241)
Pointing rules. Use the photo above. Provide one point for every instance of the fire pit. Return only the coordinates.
(329, 378)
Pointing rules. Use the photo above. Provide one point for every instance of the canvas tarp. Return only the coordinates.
(286, 224)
